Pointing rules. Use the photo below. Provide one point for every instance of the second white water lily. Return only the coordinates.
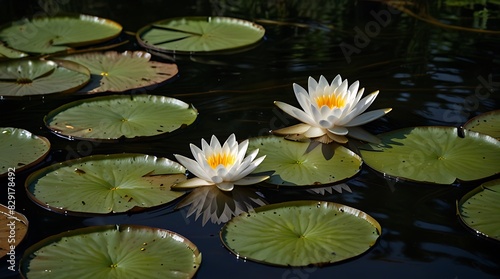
(224, 166)
(330, 112)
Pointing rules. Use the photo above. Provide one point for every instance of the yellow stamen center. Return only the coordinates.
(331, 101)
(220, 159)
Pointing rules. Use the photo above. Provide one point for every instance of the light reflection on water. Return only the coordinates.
(428, 75)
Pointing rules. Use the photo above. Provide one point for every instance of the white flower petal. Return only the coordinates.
(339, 130)
(295, 129)
(302, 96)
(325, 124)
(336, 138)
(367, 117)
(337, 81)
(314, 132)
(225, 186)
(249, 169)
(215, 144)
(216, 179)
(192, 166)
(191, 183)
(342, 88)
(358, 109)
(322, 86)
(353, 89)
(295, 112)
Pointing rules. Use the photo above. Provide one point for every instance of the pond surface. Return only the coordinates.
(428, 74)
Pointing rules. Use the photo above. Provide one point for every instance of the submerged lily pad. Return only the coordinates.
(52, 34)
(104, 184)
(300, 233)
(480, 209)
(294, 165)
(434, 154)
(120, 116)
(121, 251)
(20, 149)
(13, 229)
(22, 77)
(116, 72)
(487, 123)
(199, 34)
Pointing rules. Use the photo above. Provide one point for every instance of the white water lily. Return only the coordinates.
(330, 112)
(224, 166)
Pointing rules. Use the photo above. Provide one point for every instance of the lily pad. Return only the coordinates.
(294, 164)
(53, 34)
(13, 229)
(116, 72)
(102, 184)
(434, 154)
(487, 123)
(480, 209)
(20, 149)
(23, 77)
(300, 233)
(6, 52)
(121, 251)
(199, 34)
(120, 117)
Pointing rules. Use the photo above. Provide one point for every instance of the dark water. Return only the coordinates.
(428, 74)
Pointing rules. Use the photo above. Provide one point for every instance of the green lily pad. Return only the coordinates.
(6, 52)
(22, 77)
(487, 123)
(11, 220)
(121, 251)
(434, 154)
(102, 184)
(20, 149)
(124, 71)
(294, 165)
(120, 116)
(199, 34)
(53, 34)
(300, 233)
(480, 209)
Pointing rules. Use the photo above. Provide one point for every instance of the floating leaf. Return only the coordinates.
(102, 184)
(20, 149)
(295, 165)
(123, 71)
(300, 233)
(13, 229)
(52, 34)
(121, 251)
(480, 209)
(199, 34)
(487, 123)
(23, 77)
(6, 52)
(434, 154)
(120, 116)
